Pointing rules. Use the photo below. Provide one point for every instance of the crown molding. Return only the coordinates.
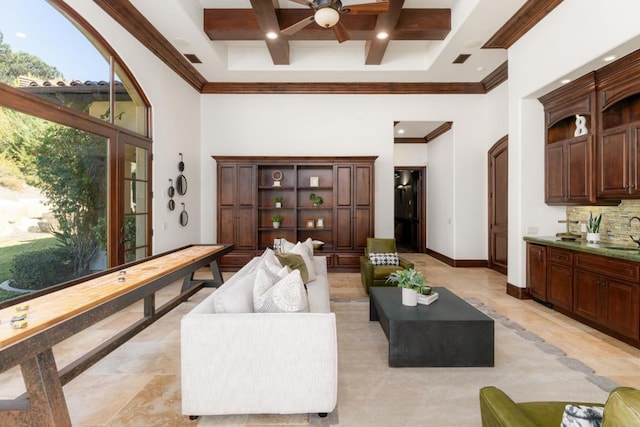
(525, 19)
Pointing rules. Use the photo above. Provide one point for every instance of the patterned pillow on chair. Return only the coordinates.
(384, 258)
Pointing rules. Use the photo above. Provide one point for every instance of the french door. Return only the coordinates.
(130, 210)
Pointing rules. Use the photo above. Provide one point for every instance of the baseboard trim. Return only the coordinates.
(457, 262)
(518, 292)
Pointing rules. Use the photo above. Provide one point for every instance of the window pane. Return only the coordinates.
(56, 229)
(135, 162)
(68, 68)
(130, 108)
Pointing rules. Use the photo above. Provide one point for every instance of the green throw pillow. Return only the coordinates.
(294, 262)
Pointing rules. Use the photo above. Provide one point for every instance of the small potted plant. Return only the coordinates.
(411, 281)
(276, 220)
(316, 200)
(593, 228)
(278, 200)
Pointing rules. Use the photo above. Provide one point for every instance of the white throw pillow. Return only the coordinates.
(237, 297)
(284, 296)
(582, 416)
(285, 245)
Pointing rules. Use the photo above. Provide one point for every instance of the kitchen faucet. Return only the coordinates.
(638, 239)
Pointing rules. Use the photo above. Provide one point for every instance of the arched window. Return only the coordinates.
(75, 150)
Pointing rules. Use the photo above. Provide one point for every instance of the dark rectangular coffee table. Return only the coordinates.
(449, 332)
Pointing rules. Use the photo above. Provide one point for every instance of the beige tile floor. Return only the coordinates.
(129, 381)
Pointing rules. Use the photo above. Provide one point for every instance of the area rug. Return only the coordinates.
(370, 393)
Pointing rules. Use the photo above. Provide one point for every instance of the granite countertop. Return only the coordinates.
(612, 250)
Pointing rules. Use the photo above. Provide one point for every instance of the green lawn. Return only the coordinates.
(11, 248)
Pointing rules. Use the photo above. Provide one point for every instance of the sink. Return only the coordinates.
(623, 248)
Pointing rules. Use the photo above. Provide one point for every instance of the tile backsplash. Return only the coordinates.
(614, 227)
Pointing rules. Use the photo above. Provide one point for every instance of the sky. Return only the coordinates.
(35, 27)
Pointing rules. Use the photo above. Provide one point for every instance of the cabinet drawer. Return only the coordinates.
(347, 260)
(620, 269)
(560, 256)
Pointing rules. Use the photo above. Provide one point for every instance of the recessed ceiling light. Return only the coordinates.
(271, 35)
(400, 131)
(565, 81)
(382, 35)
(480, 69)
(609, 58)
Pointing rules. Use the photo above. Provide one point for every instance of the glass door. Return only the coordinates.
(134, 201)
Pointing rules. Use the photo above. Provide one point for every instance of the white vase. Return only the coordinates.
(278, 204)
(409, 297)
(276, 225)
(593, 237)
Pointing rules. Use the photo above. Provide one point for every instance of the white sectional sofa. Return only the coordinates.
(235, 361)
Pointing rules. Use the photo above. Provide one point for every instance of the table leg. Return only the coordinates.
(217, 275)
(48, 405)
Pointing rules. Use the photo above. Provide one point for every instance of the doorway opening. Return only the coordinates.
(410, 208)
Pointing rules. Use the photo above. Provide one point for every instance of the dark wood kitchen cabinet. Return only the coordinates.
(569, 159)
(601, 291)
(560, 278)
(246, 204)
(606, 291)
(537, 271)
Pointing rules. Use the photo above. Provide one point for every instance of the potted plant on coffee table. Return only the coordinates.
(411, 281)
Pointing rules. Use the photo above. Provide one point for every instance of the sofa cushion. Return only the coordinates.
(237, 296)
(295, 262)
(383, 271)
(303, 251)
(384, 258)
(286, 295)
(582, 416)
(287, 246)
(622, 408)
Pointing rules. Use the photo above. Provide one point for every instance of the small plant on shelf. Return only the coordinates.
(276, 220)
(316, 200)
(278, 200)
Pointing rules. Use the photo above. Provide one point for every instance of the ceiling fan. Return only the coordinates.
(327, 14)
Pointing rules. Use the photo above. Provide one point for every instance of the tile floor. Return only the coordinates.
(129, 382)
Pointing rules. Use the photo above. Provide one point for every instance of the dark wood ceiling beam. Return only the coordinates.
(130, 18)
(241, 24)
(413, 140)
(525, 18)
(375, 48)
(268, 22)
(345, 88)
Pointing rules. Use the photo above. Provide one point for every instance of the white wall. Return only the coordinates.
(440, 195)
(569, 42)
(410, 154)
(346, 125)
(176, 128)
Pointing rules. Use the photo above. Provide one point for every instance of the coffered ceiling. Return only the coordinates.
(456, 46)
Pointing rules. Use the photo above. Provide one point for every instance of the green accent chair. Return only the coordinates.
(376, 275)
(498, 410)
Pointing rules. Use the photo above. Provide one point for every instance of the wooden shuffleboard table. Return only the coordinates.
(73, 307)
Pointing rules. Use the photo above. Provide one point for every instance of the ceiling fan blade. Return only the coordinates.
(307, 3)
(341, 32)
(297, 26)
(367, 8)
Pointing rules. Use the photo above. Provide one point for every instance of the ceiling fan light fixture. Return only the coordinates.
(382, 35)
(326, 17)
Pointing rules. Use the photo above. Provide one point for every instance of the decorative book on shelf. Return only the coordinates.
(427, 299)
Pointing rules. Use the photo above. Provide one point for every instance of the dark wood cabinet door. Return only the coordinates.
(537, 271)
(589, 290)
(554, 173)
(560, 285)
(579, 170)
(613, 164)
(634, 168)
(622, 308)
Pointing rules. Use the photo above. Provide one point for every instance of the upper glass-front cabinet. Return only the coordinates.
(34, 34)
